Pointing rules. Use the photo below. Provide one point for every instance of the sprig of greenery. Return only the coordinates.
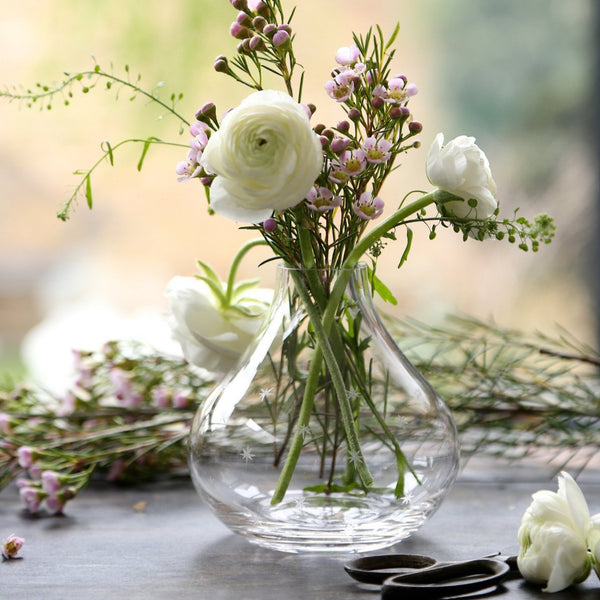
(45, 96)
(512, 394)
(108, 155)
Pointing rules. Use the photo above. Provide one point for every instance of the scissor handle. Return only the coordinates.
(376, 569)
(444, 580)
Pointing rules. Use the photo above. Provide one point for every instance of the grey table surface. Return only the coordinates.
(176, 549)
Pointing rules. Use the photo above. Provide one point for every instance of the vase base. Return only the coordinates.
(301, 525)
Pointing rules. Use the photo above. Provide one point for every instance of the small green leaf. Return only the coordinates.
(409, 238)
(88, 191)
(209, 272)
(382, 289)
(217, 289)
(393, 36)
(145, 151)
(109, 152)
(243, 286)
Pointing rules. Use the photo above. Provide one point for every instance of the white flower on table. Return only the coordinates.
(554, 537)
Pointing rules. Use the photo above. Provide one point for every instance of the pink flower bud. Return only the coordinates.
(221, 65)
(415, 127)
(180, 400)
(257, 44)
(55, 504)
(239, 31)
(339, 145)
(270, 30)
(354, 114)
(244, 47)
(377, 102)
(244, 19)
(256, 5)
(4, 423)
(328, 133)
(281, 38)
(208, 111)
(269, 224)
(399, 112)
(259, 23)
(239, 4)
(343, 126)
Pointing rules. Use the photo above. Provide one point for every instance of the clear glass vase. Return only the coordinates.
(325, 438)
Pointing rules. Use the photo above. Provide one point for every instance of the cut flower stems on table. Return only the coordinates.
(314, 194)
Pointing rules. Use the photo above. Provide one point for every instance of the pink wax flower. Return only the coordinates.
(347, 55)
(377, 151)
(180, 400)
(32, 498)
(55, 504)
(322, 199)
(398, 91)
(25, 455)
(11, 546)
(160, 397)
(4, 423)
(367, 207)
(353, 162)
(51, 482)
(340, 88)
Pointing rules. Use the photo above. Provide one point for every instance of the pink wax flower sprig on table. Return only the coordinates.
(124, 418)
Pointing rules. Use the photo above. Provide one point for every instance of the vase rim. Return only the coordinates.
(360, 266)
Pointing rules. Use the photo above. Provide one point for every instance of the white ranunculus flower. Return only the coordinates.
(553, 537)
(594, 542)
(213, 336)
(265, 156)
(462, 169)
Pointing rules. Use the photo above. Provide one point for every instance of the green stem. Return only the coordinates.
(303, 419)
(323, 350)
(322, 326)
(363, 245)
(236, 263)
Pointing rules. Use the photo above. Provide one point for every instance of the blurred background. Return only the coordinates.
(519, 76)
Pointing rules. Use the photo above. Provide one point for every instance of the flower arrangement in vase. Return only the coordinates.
(321, 436)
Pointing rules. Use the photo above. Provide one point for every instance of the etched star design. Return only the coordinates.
(266, 393)
(352, 394)
(355, 457)
(246, 455)
(303, 431)
(300, 503)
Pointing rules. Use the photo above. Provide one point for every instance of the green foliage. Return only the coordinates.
(513, 394)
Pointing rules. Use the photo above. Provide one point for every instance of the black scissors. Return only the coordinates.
(406, 576)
